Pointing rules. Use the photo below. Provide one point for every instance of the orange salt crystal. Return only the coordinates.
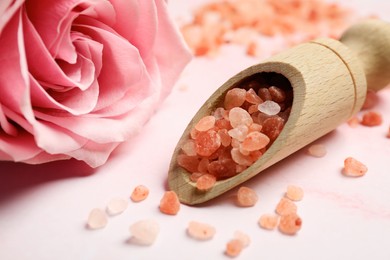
(244, 238)
(264, 94)
(195, 176)
(97, 219)
(241, 159)
(294, 193)
(252, 97)
(139, 193)
(255, 141)
(371, 118)
(225, 137)
(234, 98)
(354, 168)
(246, 197)
(371, 99)
(317, 150)
(272, 127)
(234, 248)
(190, 163)
(285, 206)
(170, 204)
(222, 169)
(205, 123)
(353, 121)
(268, 221)
(203, 165)
(189, 148)
(200, 231)
(255, 127)
(290, 224)
(252, 49)
(277, 94)
(205, 182)
(206, 143)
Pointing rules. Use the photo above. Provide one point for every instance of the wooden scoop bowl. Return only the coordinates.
(329, 79)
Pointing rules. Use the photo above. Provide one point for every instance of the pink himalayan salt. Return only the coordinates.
(371, 99)
(290, 224)
(269, 107)
(200, 231)
(116, 206)
(268, 221)
(244, 238)
(203, 165)
(206, 143)
(144, 232)
(317, 150)
(225, 137)
(294, 193)
(97, 219)
(222, 168)
(285, 206)
(277, 94)
(189, 148)
(195, 176)
(239, 116)
(170, 204)
(190, 163)
(353, 121)
(371, 118)
(205, 123)
(239, 132)
(255, 127)
(246, 197)
(264, 94)
(206, 182)
(255, 141)
(252, 97)
(272, 127)
(139, 193)
(234, 98)
(234, 247)
(354, 168)
(220, 113)
(241, 159)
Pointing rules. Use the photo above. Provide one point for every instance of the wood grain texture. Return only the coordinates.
(329, 86)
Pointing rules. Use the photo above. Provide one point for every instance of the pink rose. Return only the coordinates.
(78, 77)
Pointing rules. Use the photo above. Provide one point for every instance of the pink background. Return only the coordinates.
(43, 209)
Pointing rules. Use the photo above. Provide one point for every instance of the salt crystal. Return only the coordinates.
(290, 224)
(294, 193)
(286, 206)
(233, 248)
(139, 193)
(272, 127)
(219, 113)
(169, 204)
(222, 168)
(203, 165)
(144, 232)
(268, 221)
(116, 206)
(225, 137)
(239, 158)
(255, 141)
(244, 238)
(270, 108)
(277, 94)
(317, 150)
(239, 116)
(195, 176)
(246, 197)
(264, 94)
(200, 231)
(189, 148)
(205, 123)
(354, 168)
(97, 219)
(205, 182)
(239, 132)
(234, 98)
(252, 97)
(206, 143)
(353, 121)
(371, 118)
(371, 99)
(190, 163)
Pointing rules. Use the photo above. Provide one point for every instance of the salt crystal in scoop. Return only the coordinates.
(144, 232)
(270, 108)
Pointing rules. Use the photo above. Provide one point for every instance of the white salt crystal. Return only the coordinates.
(97, 219)
(317, 150)
(144, 232)
(269, 107)
(116, 206)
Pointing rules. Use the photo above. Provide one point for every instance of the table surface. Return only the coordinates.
(43, 208)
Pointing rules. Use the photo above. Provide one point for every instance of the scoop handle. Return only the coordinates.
(370, 41)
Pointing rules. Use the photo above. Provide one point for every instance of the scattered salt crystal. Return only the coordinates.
(239, 116)
(170, 204)
(371, 118)
(270, 108)
(294, 193)
(200, 231)
(205, 182)
(255, 141)
(139, 193)
(234, 98)
(317, 150)
(144, 232)
(268, 221)
(205, 123)
(353, 121)
(290, 224)
(285, 206)
(246, 197)
(233, 248)
(371, 99)
(244, 238)
(354, 168)
(116, 206)
(97, 219)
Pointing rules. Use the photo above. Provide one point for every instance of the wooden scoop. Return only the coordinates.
(329, 79)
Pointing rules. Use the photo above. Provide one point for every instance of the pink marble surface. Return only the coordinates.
(43, 209)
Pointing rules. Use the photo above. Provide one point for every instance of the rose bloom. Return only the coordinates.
(78, 77)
